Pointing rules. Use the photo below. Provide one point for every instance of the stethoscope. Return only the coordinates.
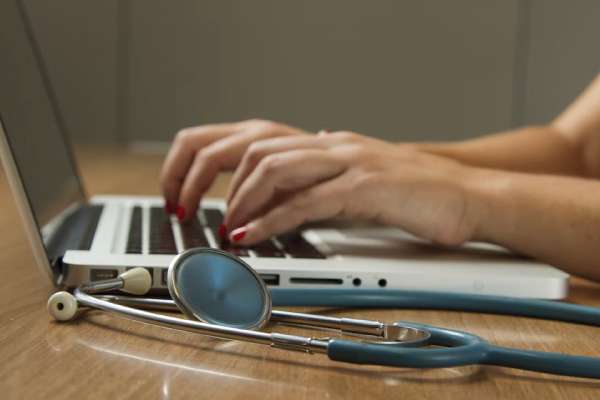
(224, 297)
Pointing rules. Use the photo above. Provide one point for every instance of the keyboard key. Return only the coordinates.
(214, 218)
(233, 249)
(162, 240)
(193, 235)
(296, 246)
(267, 249)
(134, 240)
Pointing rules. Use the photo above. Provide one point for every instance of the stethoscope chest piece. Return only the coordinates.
(213, 286)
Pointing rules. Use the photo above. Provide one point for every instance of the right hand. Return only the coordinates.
(198, 154)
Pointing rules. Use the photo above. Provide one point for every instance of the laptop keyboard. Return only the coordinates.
(193, 234)
(161, 236)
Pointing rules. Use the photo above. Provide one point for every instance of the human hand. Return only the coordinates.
(198, 154)
(349, 175)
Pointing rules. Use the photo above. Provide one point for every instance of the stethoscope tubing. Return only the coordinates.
(463, 349)
(533, 308)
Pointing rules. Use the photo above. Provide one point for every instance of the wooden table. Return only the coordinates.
(103, 357)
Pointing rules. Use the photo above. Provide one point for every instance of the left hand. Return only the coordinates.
(349, 175)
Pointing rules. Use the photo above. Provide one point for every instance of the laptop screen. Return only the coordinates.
(32, 122)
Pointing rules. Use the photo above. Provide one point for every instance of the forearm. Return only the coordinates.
(553, 219)
(540, 149)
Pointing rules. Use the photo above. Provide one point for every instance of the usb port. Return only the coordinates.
(102, 274)
(270, 279)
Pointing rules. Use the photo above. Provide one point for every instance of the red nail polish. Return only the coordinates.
(180, 212)
(239, 233)
(222, 232)
(168, 207)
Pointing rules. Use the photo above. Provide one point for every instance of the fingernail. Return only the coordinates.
(222, 232)
(323, 132)
(168, 207)
(180, 212)
(239, 233)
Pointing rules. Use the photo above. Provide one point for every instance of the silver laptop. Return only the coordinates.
(76, 239)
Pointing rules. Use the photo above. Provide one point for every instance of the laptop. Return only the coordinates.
(76, 239)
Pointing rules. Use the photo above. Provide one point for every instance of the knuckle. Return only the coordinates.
(205, 156)
(254, 121)
(262, 125)
(270, 164)
(348, 136)
(255, 151)
(184, 136)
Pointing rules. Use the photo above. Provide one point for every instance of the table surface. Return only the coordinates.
(99, 356)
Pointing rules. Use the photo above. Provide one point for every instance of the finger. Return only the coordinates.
(182, 153)
(323, 201)
(262, 148)
(224, 154)
(233, 139)
(292, 170)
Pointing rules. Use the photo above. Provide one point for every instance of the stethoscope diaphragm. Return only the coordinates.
(213, 286)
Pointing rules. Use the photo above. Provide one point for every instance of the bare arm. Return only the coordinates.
(554, 219)
(570, 145)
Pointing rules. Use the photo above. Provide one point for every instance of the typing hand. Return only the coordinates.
(198, 154)
(349, 175)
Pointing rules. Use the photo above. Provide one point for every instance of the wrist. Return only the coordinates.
(448, 150)
(489, 203)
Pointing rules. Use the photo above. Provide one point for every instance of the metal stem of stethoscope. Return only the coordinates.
(291, 342)
(345, 325)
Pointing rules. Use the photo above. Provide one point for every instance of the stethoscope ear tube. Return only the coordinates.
(475, 353)
(404, 357)
(466, 349)
(551, 363)
(543, 309)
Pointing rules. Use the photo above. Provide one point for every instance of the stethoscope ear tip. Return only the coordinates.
(136, 281)
(62, 306)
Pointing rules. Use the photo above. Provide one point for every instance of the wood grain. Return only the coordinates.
(98, 356)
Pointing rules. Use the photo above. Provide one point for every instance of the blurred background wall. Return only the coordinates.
(139, 70)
